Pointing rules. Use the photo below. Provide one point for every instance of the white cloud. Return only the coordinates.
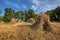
(59, 2)
(37, 4)
(24, 6)
(47, 7)
(44, 5)
(52, 5)
(13, 4)
(33, 7)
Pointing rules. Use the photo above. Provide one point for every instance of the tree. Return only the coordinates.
(19, 15)
(29, 14)
(50, 13)
(54, 14)
(0, 11)
(9, 14)
(57, 13)
(1, 18)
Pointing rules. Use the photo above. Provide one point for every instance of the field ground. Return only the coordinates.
(22, 31)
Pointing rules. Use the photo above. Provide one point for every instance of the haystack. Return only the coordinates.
(31, 20)
(42, 22)
(20, 21)
(13, 21)
(2, 22)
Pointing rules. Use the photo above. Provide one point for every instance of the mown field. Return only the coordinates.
(25, 32)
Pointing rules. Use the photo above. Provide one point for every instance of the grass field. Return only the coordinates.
(23, 31)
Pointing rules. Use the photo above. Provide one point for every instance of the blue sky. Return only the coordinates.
(36, 5)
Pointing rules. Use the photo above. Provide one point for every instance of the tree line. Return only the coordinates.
(54, 14)
(19, 15)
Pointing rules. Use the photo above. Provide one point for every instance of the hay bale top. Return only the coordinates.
(2, 22)
(19, 21)
(44, 17)
(31, 20)
(13, 21)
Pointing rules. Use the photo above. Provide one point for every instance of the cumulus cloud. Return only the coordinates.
(13, 4)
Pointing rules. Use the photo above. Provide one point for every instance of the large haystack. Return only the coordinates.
(13, 21)
(31, 20)
(42, 22)
(43, 29)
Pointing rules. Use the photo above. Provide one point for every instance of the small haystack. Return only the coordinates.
(13, 21)
(31, 20)
(2, 22)
(20, 21)
(42, 22)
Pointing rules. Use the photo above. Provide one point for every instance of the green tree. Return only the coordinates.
(57, 13)
(54, 14)
(9, 14)
(29, 14)
(0, 12)
(50, 13)
(1, 18)
(19, 15)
